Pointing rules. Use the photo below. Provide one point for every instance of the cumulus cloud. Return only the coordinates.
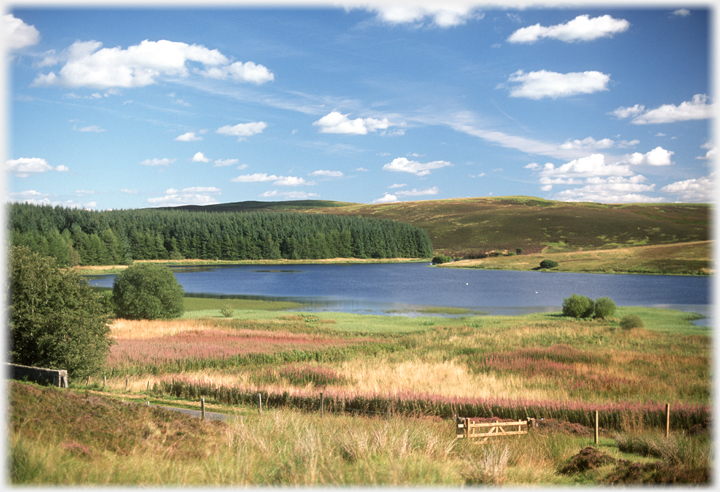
(592, 165)
(277, 180)
(197, 195)
(581, 28)
(331, 174)
(656, 157)
(415, 192)
(404, 165)
(225, 162)
(26, 166)
(623, 112)
(590, 144)
(18, 35)
(90, 65)
(293, 195)
(30, 196)
(697, 109)
(240, 72)
(386, 198)
(157, 162)
(681, 12)
(437, 14)
(693, 190)
(188, 137)
(397, 185)
(200, 157)
(537, 85)
(711, 152)
(243, 130)
(336, 122)
(615, 189)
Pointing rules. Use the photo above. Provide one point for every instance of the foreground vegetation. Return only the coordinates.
(390, 385)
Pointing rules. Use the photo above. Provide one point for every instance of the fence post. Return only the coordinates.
(322, 404)
(597, 428)
(259, 402)
(104, 381)
(127, 381)
(667, 420)
(202, 406)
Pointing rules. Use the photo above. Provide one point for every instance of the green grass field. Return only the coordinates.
(390, 387)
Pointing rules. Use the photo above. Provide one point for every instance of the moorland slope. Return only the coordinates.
(467, 227)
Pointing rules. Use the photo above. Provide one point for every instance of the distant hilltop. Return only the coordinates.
(473, 226)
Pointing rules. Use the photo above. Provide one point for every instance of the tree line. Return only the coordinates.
(84, 237)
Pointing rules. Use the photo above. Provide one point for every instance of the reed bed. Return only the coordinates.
(612, 415)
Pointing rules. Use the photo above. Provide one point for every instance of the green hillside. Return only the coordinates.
(471, 226)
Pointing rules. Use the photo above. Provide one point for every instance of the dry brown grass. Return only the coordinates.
(128, 329)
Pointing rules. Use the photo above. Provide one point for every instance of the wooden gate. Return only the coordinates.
(482, 431)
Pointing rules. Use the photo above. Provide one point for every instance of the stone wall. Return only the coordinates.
(54, 377)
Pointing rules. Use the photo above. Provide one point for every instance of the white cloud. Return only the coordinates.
(387, 198)
(415, 192)
(30, 196)
(198, 195)
(18, 35)
(129, 192)
(255, 178)
(581, 28)
(293, 195)
(623, 112)
(188, 137)
(91, 128)
(656, 157)
(681, 12)
(331, 174)
(225, 162)
(589, 144)
(697, 109)
(592, 165)
(537, 85)
(402, 164)
(362, 169)
(711, 152)
(26, 166)
(611, 190)
(157, 162)
(441, 15)
(277, 180)
(240, 72)
(200, 157)
(90, 65)
(292, 181)
(243, 130)
(693, 190)
(336, 122)
(403, 185)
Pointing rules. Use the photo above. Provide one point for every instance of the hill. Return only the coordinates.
(469, 227)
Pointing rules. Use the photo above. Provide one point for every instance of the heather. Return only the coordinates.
(354, 399)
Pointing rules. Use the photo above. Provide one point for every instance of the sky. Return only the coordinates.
(123, 108)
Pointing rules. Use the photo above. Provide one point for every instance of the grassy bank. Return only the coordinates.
(65, 438)
(668, 259)
(390, 385)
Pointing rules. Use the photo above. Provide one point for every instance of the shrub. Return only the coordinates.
(631, 321)
(147, 291)
(441, 259)
(604, 307)
(578, 306)
(56, 320)
(227, 311)
(548, 264)
(518, 251)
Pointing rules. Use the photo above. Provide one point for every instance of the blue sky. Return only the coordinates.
(132, 108)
